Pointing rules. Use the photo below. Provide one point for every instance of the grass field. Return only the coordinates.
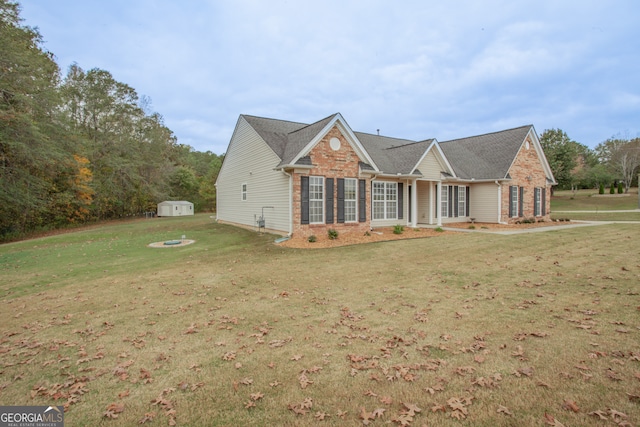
(466, 329)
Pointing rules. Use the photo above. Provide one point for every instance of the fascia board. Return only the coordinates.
(345, 129)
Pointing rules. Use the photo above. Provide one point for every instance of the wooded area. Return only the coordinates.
(82, 147)
(613, 163)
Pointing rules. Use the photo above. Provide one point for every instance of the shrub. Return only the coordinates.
(620, 188)
(439, 229)
(612, 190)
(332, 234)
(601, 190)
(312, 238)
(472, 227)
(398, 229)
(366, 233)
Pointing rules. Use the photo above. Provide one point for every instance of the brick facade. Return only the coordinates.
(329, 163)
(526, 172)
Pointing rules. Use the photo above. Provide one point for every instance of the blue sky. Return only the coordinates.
(413, 69)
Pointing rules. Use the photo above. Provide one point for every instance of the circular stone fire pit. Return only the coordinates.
(171, 243)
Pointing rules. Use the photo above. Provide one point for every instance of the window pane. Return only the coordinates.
(316, 199)
(445, 201)
(350, 203)
(462, 200)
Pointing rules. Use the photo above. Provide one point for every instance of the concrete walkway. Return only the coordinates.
(627, 210)
(574, 224)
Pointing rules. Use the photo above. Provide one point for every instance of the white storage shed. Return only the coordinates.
(175, 208)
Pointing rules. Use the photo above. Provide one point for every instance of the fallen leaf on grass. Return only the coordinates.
(149, 416)
(551, 420)
(320, 416)
(365, 416)
(570, 405)
(600, 414)
(504, 410)
(113, 410)
(412, 409)
(403, 419)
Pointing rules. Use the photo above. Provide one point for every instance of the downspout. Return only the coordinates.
(290, 202)
(499, 203)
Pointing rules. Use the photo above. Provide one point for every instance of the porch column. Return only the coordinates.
(439, 190)
(414, 203)
(431, 201)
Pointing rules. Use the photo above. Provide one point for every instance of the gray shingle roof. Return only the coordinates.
(487, 156)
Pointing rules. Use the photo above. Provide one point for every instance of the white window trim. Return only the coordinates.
(462, 201)
(444, 201)
(385, 201)
(322, 201)
(243, 192)
(354, 200)
(515, 202)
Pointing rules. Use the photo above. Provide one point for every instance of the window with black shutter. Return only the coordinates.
(304, 200)
(329, 200)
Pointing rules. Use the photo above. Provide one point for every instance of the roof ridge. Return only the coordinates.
(275, 120)
(312, 124)
(486, 134)
(411, 143)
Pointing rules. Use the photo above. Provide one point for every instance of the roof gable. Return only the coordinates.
(487, 156)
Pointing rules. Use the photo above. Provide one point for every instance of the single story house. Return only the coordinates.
(307, 178)
(175, 208)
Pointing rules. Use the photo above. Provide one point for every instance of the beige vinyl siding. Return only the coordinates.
(484, 202)
(249, 160)
(423, 202)
(430, 166)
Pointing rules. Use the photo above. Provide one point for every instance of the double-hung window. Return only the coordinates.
(350, 200)
(513, 200)
(444, 196)
(316, 199)
(462, 200)
(244, 192)
(537, 201)
(385, 200)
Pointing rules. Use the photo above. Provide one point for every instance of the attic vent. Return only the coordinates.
(334, 143)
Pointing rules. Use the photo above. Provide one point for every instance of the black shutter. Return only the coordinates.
(450, 201)
(329, 200)
(400, 200)
(511, 212)
(544, 201)
(521, 202)
(304, 200)
(340, 200)
(362, 202)
(467, 204)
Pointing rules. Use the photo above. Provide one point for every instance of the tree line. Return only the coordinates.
(83, 147)
(612, 163)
